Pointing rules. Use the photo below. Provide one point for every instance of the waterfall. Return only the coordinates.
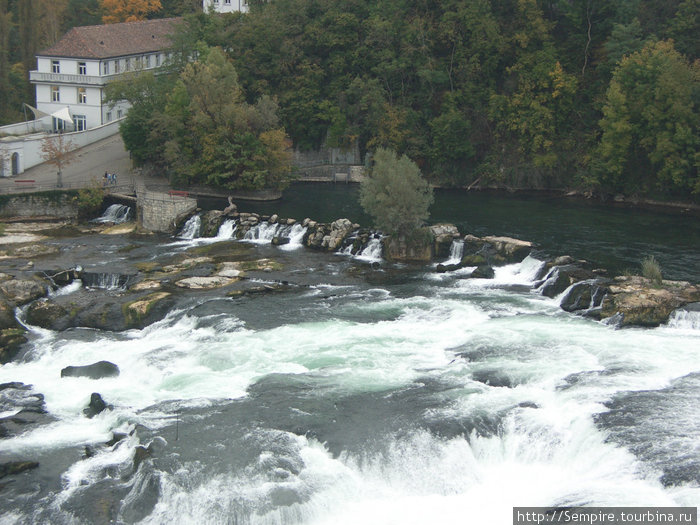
(116, 213)
(372, 252)
(226, 230)
(191, 228)
(105, 281)
(296, 237)
(456, 252)
(685, 319)
(262, 233)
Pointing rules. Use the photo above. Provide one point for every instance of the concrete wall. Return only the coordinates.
(157, 211)
(23, 128)
(28, 147)
(59, 205)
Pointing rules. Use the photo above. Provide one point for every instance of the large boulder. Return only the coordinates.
(48, 314)
(560, 278)
(98, 370)
(211, 222)
(339, 230)
(418, 249)
(637, 301)
(22, 291)
(584, 295)
(11, 340)
(494, 251)
(443, 235)
(26, 406)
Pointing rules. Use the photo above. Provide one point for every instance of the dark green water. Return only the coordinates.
(616, 238)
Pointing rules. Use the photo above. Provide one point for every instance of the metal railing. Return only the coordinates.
(30, 186)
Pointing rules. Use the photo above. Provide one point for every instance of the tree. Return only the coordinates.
(128, 10)
(650, 127)
(213, 136)
(396, 195)
(59, 151)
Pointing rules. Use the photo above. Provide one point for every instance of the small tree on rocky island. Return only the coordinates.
(398, 198)
(59, 151)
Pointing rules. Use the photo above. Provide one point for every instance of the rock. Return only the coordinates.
(562, 260)
(561, 277)
(339, 230)
(11, 339)
(211, 221)
(419, 250)
(495, 251)
(231, 208)
(98, 370)
(148, 309)
(22, 291)
(7, 315)
(148, 284)
(13, 468)
(583, 296)
(205, 283)
(47, 314)
(637, 301)
(280, 241)
(442, 268)
(96, 406)
(273, 219)
(473, 260)
(514, 250)
(26, 406)
(483, 272)
(443, 235)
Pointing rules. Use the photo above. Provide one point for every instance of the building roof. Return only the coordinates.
(114, 40)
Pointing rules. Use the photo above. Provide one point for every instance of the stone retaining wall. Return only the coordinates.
(56, 204)
(158, 212)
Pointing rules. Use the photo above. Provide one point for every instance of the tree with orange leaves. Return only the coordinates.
(128, 10)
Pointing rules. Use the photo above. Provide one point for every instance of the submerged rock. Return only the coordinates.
(96, 406)
(98, 370)
(13, 468)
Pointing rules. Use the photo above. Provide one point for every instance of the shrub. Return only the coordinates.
(652, 270)
(89, 201)
(396, 195)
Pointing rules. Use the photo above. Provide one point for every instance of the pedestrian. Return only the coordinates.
(106, 179)
(114, 179)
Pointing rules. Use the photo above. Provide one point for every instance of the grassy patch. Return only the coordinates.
(652, 270)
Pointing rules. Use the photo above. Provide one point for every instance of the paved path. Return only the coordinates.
(87, 168)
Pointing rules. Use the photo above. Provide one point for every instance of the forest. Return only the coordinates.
(597, 96)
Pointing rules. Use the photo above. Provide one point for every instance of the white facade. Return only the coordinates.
(78, 84)
(225, 6)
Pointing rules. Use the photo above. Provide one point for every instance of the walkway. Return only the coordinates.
(87, 169)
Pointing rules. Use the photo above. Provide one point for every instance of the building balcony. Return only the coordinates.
(78, 80)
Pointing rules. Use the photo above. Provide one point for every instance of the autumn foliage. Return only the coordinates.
(116, 11)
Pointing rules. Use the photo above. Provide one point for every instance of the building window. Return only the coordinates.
(116, 66)
(58, 124)
(105, 68)
(148, 61)
(82, 95)
(109, 116)
(55, 66)
(55, 94)
(82, 68)
(227, 2)
(119, 113)
(127, 65)
(158, 60)
(80, 122)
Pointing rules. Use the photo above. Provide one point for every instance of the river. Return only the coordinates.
(368, 392)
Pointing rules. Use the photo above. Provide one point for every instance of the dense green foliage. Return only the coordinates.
(514, 93)
(395, 194)
(196, 125)
(592, 95)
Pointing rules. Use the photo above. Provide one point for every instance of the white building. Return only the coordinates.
(225, 6)
(71, 75)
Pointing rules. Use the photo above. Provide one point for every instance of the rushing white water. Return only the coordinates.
(227, 230)
(456, 252)
(116, 213)
(685, 319)
(444, 402)
(372, 252)
(191, 229)
(264, 233)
